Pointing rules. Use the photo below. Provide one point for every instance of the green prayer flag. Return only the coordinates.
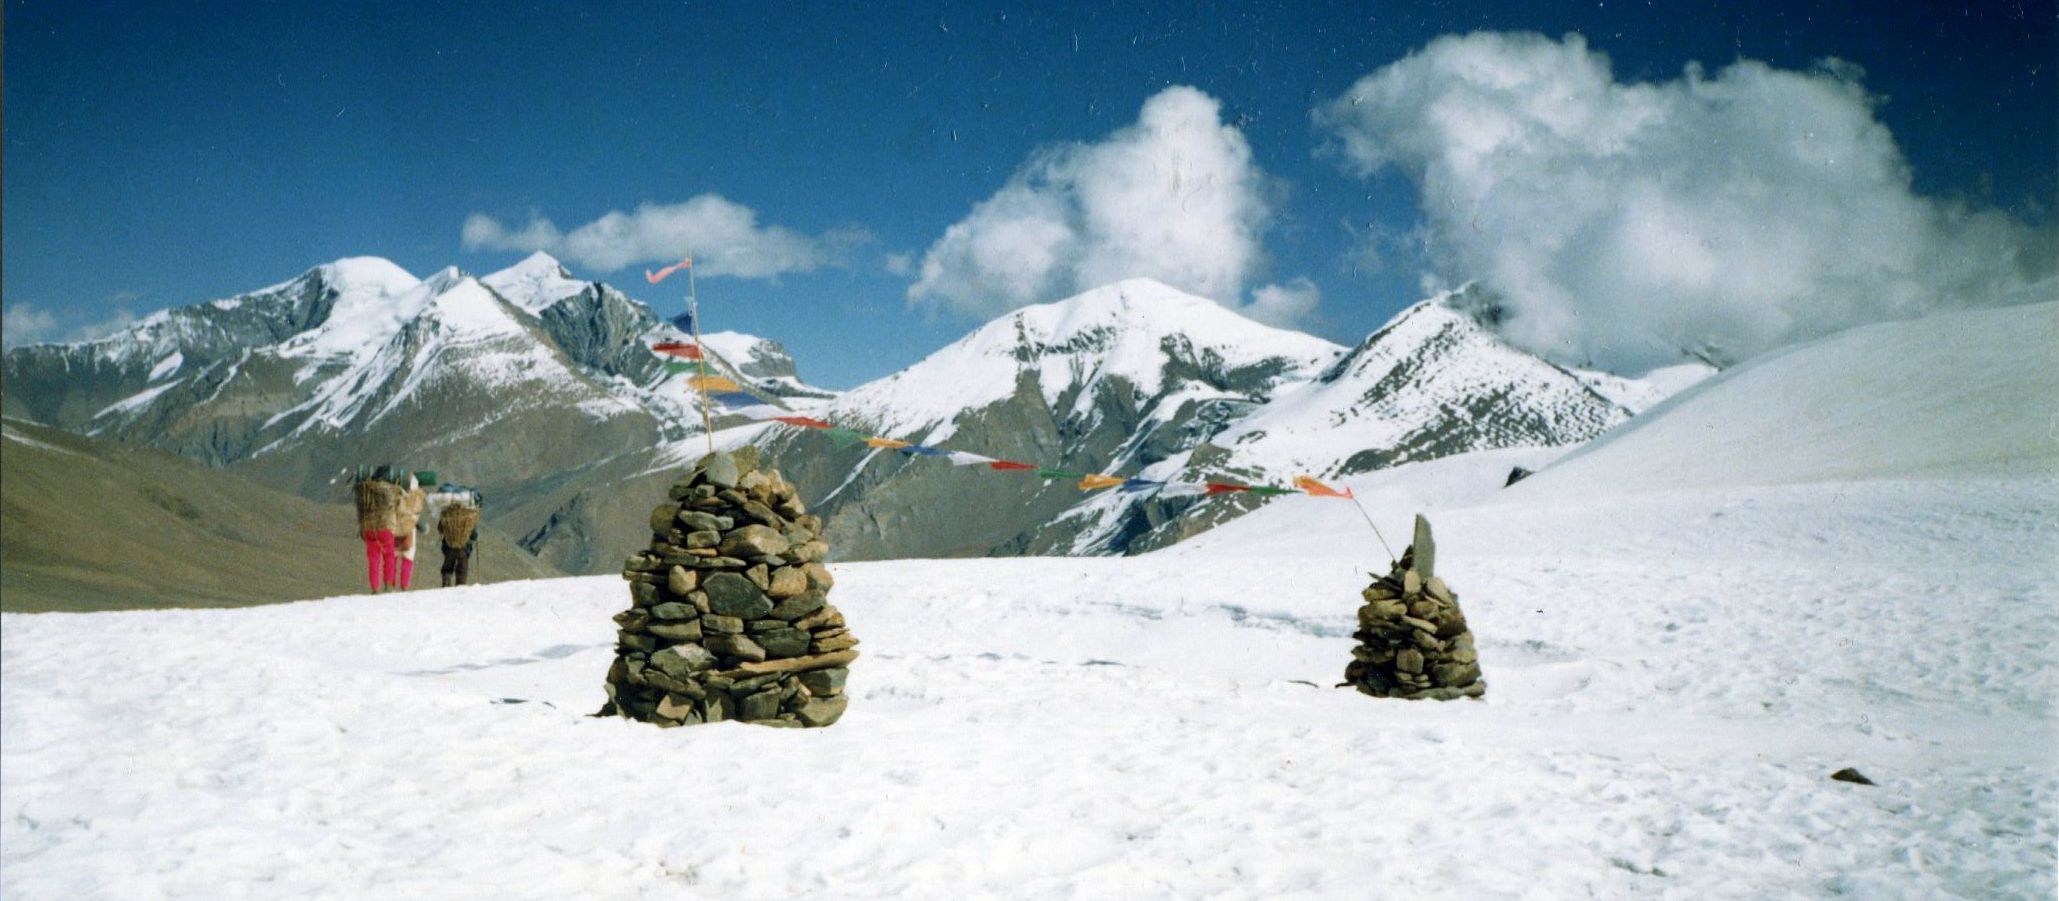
(1060, 474)
(844, 437)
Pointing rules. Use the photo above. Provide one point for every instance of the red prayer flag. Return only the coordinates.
(1009, 465)
(803, 422)
(1225, 488)
(677, 349)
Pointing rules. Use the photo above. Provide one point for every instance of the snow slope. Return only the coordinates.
(1960, 394)
(1106, 727)
(1673, 672)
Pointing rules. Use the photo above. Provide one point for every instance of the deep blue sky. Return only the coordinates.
(164, 154)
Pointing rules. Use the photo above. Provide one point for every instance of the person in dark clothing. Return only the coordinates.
(458, 526)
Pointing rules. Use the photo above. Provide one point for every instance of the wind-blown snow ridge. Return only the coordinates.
(1952, 394)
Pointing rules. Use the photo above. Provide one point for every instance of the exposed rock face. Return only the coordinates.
(1413, 639)
(729, 613)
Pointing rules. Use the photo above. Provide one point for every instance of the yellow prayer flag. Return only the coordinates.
(884, 442)
(1093, 482)
(711, 384)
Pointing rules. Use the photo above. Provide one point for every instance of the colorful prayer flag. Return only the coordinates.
(844, 437)
(683, 322)
(1060, 475)
(1096, 482)
(961, 458)
(1215, 488)
(1134, 484)
(1010, 466)
(917, 450)
(677, 368)
(677, 349)
(711, 384)
(885, 443)
(659, 276)
(1183, 489)
(803, 422)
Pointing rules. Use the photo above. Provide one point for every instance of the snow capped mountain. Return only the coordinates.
(1431, 383)
(1139, 379)
(541, 388)
(763, 364)
(1111, 380)
(1142, 343)
(535, 283)
(513, 382)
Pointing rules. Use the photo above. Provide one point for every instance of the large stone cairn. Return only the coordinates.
(730, 617)
(1413, 640)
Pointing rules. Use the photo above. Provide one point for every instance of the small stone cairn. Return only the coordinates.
(1413, 640)
(730, 617)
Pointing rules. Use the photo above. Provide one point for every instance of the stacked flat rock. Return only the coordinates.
(729, 615)
(1413, 640)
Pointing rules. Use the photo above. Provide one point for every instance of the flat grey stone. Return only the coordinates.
(731, 594)
(720, 470)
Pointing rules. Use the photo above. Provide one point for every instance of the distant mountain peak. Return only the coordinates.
(445, 279)
(376, 274)
(1145, 334)
(540, 262)
(535, 283)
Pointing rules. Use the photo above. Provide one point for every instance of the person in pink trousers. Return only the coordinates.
(378, 505)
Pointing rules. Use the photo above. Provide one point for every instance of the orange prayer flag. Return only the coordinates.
(885, 442)
(1319, 489)
(711, 383)
(1097, 481)
(659, 276)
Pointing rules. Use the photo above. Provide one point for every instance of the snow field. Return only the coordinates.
(1115, 727)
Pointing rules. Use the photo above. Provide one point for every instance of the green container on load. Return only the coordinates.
(427, 477)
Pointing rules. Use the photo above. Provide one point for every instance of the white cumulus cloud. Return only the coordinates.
(1284, 305)
(1175, 197)
(26, 323)
(1623, 222)
(723, 237)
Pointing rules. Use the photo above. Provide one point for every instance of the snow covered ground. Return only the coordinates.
(1673, 673)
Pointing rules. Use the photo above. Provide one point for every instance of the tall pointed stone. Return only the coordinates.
(1426, 549)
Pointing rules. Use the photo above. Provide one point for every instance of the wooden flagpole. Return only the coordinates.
(693, 312)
